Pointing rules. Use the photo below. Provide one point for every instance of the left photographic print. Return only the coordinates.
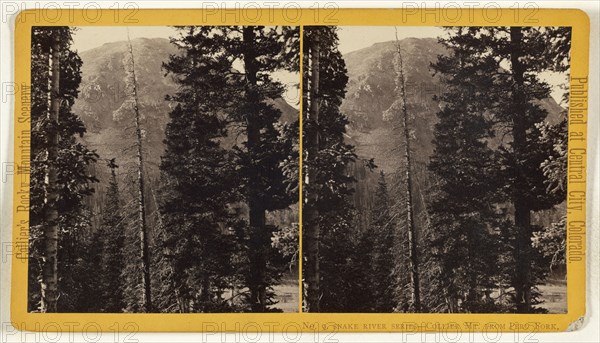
(164, 169)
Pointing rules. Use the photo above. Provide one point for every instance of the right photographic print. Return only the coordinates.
(434, 169)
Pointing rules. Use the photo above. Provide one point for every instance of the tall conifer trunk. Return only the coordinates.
(412, 239)
(522, 208)
(143, 229)
(312, 228)
(49, 284)
(259, 238)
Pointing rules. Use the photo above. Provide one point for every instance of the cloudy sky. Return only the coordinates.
(357, 37)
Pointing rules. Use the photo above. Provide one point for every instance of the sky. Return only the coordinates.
(351, 38)
(89, 37)
(357, 37)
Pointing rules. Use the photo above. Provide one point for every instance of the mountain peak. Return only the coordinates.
(361, 61)
(371, 90)
(391, 44)
(123, 45)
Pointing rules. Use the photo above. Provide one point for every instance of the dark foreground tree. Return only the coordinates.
(197, 176)
(463, 243)
(227, 92)
(261, 51)
(504, 65)
(519, 110)
(59, 171)
(327, 211)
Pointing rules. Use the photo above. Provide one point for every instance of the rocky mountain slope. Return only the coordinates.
(103, 91)
(371, 91)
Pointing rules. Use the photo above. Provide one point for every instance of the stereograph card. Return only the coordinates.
(300, 170)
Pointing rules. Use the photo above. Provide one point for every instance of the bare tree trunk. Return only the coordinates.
(522, 208)
(312, 229)
(412, 239)
(49, 283)
(143, 230)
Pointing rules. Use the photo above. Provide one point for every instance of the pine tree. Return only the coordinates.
(342, 267)
(463, 241)
(132, 112)
(312, 220)
(143, 226)
(197, 174)
(261, 50)
(327, 211)
(382, 256)
(551, 242)
(370, 263)
(59, 178)
(227, 91)
(99, 270)
(522, 158)
(50, 261)
(399, 114)
(510, 60)
(112, 263)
